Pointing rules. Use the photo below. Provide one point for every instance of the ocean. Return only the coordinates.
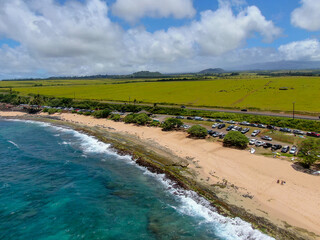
(56, 183)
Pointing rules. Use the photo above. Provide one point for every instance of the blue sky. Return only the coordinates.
(84, 37)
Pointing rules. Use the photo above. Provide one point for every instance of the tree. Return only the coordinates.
(309, 151)
(171, 123)
(236, 139)
(101, 113)
(142, 119)
(197, 131)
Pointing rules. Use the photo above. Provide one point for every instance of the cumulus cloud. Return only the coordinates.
(80, 39)
(307, 16)
(301, 50)
(131, 11)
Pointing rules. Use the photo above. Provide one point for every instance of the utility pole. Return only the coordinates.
(293, 110)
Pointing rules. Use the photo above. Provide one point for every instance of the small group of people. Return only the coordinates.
(281, 182)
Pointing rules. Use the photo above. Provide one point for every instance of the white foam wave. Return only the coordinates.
(191, 204)
(14, 144)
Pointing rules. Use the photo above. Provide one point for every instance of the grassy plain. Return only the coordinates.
(260, 93)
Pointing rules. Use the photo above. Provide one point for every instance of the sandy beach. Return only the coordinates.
(251, 180)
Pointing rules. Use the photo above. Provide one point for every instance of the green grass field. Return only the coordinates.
(261, 93)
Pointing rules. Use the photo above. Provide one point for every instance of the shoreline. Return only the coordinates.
(226, 192)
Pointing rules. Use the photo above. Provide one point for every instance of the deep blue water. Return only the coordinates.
(56, 183)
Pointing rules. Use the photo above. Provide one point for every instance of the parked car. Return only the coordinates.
(267, 145)
(180, 117)
(222, 125)
(285, 149)
(185, 126)
(293, 150)
(183, 106)
(262, 126)
(271, 127)
(215, 134)
(219, 120)
(276, 147)
(244, 110)
(313, 134)
(245, 130)
(253, 125)
(190, 118)
(298, 132)
(252, 141)
(237, 128)
(255, 133)
(215, 125)
(198, 118)
(210, 132)
(222, 135)
(230, 127)
(245, 123)
(288, 130)
(210, 120)
(259, 143)
(266, 138)
(231, 122)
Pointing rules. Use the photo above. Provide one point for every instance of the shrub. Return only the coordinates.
(101, 113)
(45, 110)
(115, 117)
(53, 111)
(140, 119)
(154, 124)
(197, 131)
(171, 123)
(309, 151)
(235, 139)
(87, 113)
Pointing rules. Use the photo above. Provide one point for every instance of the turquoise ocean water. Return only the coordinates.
(56, 183)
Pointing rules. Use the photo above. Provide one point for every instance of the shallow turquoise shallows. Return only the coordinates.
(56, 183)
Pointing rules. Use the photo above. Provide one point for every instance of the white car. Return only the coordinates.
(252, 141)
(293, 150)
(215, 125)
(259, 143)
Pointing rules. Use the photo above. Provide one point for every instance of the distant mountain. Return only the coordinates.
(280, 65)
(211, 71)
(146, 74)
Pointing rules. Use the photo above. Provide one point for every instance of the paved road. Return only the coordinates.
(272, 114)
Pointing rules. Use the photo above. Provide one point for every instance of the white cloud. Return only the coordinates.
(307, 16)
(131, 11)
(301, 50)
(80, 39)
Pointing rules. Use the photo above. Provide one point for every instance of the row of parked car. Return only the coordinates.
(220, 124)
(274, 147)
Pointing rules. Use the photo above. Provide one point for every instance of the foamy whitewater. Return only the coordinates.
(85, 190)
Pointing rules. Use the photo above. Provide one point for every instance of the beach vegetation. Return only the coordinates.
(139, 119)
(53, 111)
(171, 123)
(309, 151)
(197, 131)
(235, 139)
(102, 113)
(115, 117)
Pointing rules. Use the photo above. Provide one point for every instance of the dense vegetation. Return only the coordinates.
(139, 119)
(307, 125)
(309, 151)
(235, 139)
(197, 131)
(171, 124)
